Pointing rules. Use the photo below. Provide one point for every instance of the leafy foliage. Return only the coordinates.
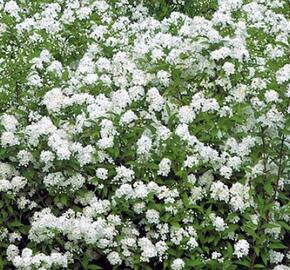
(149, 135)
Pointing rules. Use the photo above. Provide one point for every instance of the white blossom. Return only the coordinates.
(241, 248)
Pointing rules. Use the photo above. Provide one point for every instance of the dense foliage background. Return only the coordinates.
(144, 135)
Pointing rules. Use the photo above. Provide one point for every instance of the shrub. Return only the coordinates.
(143, 136)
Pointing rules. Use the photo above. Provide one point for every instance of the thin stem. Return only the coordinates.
(253, 260)
(280, 168)
(265, 161)
(265, 158)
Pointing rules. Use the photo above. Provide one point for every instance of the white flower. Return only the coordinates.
(220, 53)
(192, 243)
(164, 167)
(5, 185)
(54, 100)
(240, 198)
(12, 252)
(255, 219)
(276, 257)
(124, 174)
(271, 96)
(120, 100)
(147, 248)
(219, 191)
(155, 100)
(177, 264)
(29, 261)
(234, 162)
(46, 156)
(161, 248)
(55, 67)
(114, 258)
(9, 139)
(84, 12)
(111, 102)
(45, 56)
(273, 118)
(186, 114)
(164, 77)
(34, 80)
(18, 183)
(136, 92)
(58, 180)
(9, 122)
(218, 223)
(85, 155)
(102, 173)
(139, 207)
(128, 117)
(24, 157)
(283, 74)
(241, 248)
(191, 161)
(12, 8)
(281, 267)
(144, 145)
(206, 178)
(275, 231)
(229, 68)
(216, 255)
(152, 216)
(226, 172)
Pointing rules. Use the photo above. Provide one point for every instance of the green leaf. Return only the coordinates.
(94, 267)
(277, 246)
(244, 263)
(265, 257)
(15, 223)
(268, 188)
(185, 200)
(259, 266)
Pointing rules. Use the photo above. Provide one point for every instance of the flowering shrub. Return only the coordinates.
(129, 142)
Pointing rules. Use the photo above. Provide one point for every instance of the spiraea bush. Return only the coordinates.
(140, 136)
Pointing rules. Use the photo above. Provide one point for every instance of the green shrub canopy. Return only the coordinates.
(149, 135)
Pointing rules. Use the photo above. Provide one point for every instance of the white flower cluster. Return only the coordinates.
(156, 143)
(27, 260)
(241, 248)
(59, 181)
(177, 264)
(10, 181)
(164, 167)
